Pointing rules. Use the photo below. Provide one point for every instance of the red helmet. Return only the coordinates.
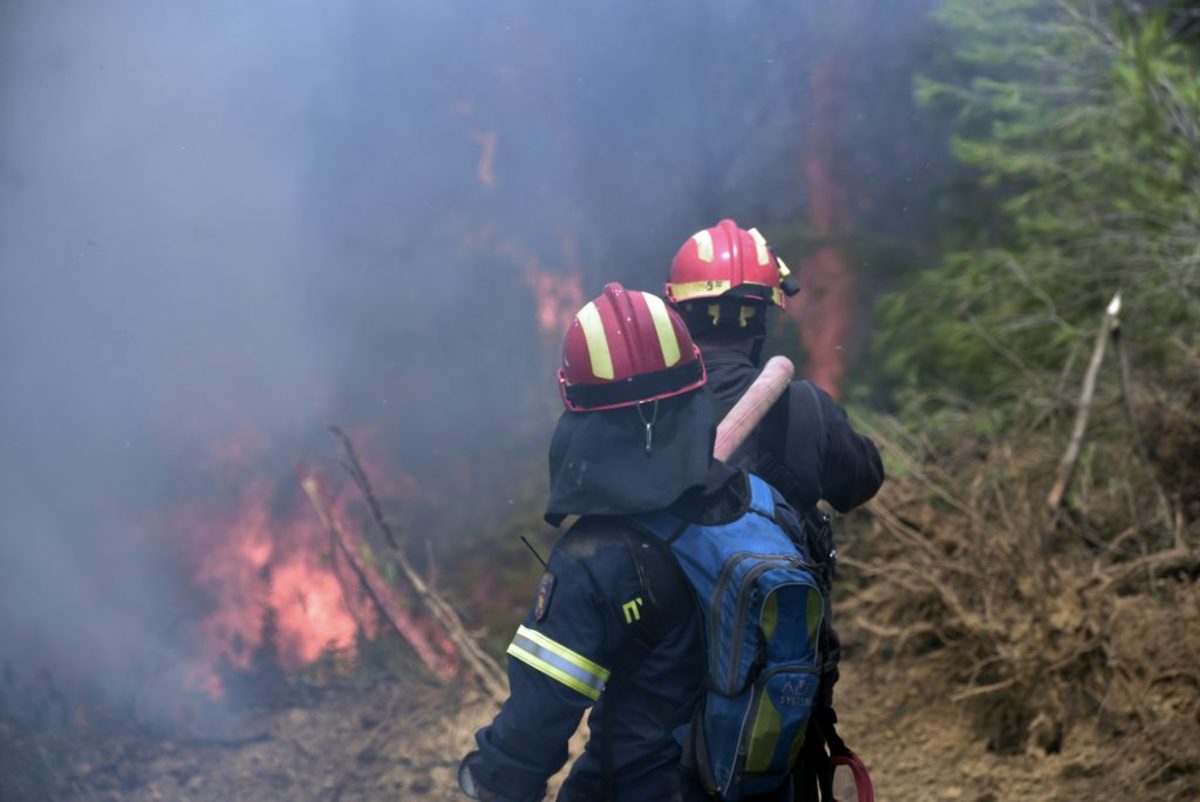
(729, 260)
(627, 347)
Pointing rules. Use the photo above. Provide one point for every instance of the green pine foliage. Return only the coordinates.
(1081, 123)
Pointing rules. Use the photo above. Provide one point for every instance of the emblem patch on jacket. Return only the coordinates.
(544, 591)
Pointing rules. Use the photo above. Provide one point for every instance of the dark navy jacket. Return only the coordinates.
(598, 627)
(807, 431)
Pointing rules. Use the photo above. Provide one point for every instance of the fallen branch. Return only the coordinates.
(377, 589)
(491, 677)
(1066, 466)
(982, 690)
(1172, 560)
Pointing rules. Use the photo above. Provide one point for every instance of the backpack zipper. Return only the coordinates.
(714, 602)
(760, 684)
(740, 610)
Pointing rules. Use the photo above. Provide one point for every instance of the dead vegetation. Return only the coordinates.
(1053, 627)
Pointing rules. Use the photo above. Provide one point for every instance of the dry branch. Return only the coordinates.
(1171, 560)
(1066, 466)
(491, 677)
(983, 690)
(376, 587)
(922, 473)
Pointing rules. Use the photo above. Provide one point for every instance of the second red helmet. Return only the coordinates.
(726, 260)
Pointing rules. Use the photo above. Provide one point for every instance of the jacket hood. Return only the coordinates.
(599, 464)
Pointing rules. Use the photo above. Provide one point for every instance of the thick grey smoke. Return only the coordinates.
(226, 216)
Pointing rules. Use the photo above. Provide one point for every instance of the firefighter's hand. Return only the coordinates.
(466, 778)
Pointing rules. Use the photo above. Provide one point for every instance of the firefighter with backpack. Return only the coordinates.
(723, 281)
(683, 607)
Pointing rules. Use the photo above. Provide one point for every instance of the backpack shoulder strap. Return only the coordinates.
(661, 524)
(762, 497)
(668, 594)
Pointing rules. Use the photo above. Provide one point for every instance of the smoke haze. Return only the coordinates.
(224, 224)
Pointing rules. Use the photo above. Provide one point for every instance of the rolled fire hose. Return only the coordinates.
(746, 414)
(753, 406)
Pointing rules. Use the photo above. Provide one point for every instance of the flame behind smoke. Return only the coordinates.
(559, 296)
(487, 156)
(258, 562)
(558, 293)
(826, 308)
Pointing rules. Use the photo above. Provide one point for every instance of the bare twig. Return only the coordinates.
(911, 464)
(391, 610)
(430, 565)
(981, 690)
(491, 677)
(343, 582)
(1159, 562)
(1066, 467)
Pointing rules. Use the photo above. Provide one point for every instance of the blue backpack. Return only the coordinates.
(762, 608)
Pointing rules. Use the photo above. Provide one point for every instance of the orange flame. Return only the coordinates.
(559, 294)
(487, 156)
(825, 308)
(253, 561)
(262, 555)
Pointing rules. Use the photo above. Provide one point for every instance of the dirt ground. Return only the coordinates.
(918, 748)
(392, 739)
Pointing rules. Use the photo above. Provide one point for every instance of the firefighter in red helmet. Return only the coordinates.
(723, 281)
(613, 623)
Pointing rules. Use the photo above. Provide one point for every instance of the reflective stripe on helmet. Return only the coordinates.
(597, 341)
(704, 245)
(760, 247)
(687, 290)
(662, 326)
(558, 662)
(690, 290)
(626, 347)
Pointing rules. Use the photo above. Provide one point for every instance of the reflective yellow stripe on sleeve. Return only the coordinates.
(558, 662)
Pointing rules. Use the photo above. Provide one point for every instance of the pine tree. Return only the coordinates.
(1081, 121)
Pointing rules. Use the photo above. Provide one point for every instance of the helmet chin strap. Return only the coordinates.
(649, 424)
